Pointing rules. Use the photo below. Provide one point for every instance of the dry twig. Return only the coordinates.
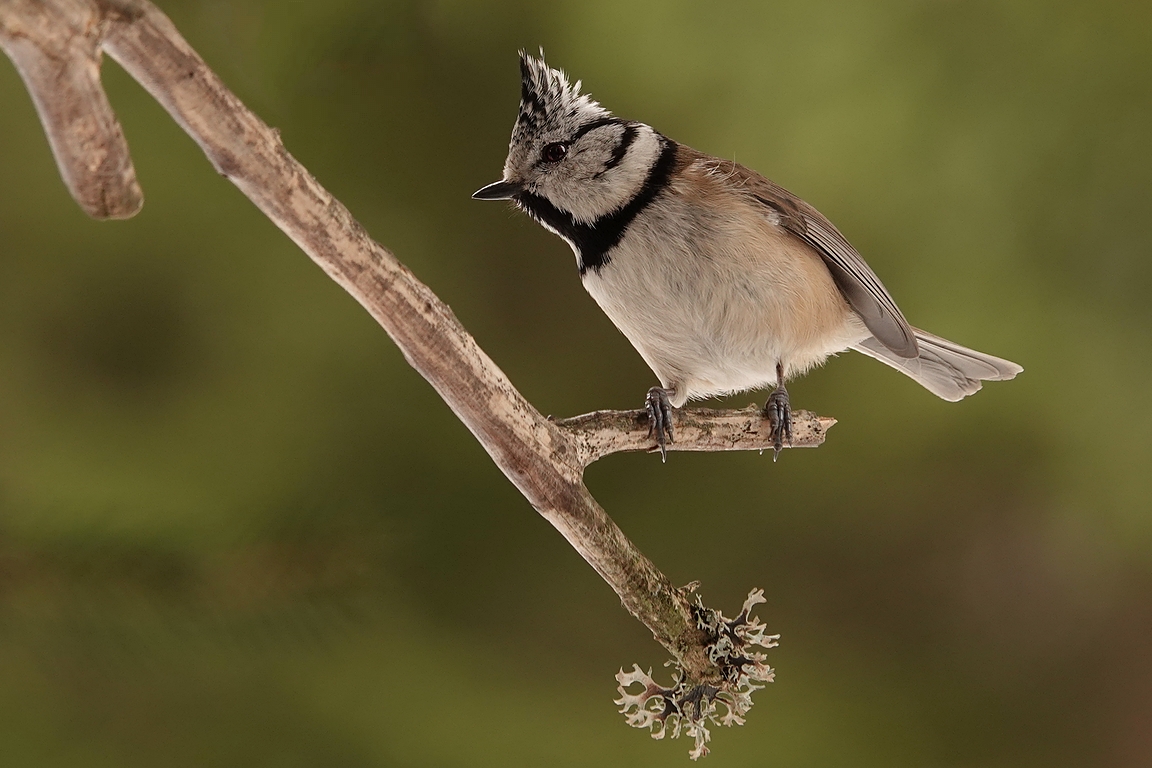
(57, 45)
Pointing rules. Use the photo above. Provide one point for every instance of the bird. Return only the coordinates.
(722, 280)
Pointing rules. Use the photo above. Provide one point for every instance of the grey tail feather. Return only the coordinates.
(945, 369)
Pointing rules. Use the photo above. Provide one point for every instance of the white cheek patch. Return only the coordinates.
(600, 190)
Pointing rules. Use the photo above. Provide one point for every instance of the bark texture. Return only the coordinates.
(57, 45)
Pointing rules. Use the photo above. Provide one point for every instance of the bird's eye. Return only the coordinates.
(554, 153)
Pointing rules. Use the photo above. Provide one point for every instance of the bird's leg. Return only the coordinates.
(779, 413)
(660, 418)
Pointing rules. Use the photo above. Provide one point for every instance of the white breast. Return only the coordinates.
(712, 294)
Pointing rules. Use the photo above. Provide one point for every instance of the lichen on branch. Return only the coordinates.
(688, 708)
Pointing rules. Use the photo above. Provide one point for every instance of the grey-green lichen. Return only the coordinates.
(689, 708)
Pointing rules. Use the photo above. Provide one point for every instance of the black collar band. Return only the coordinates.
(594, 241)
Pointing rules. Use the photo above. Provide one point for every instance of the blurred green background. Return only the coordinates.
(237, 529)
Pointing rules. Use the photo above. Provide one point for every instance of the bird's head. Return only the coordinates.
(569, 151)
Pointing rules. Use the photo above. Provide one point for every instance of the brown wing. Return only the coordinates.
(855, 279)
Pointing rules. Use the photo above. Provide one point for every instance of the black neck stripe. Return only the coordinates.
(594, 241)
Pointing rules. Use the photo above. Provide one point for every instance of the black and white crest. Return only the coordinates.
(578, 170)
(549, 100)
(574, 167)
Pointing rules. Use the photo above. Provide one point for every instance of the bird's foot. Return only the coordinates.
(779, 413)
(660, 419)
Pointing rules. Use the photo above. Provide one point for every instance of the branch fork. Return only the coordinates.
(57, 46)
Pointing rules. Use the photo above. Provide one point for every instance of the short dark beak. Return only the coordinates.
(501, 190)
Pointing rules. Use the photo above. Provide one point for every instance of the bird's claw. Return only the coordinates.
(659, 419)
(779, 413)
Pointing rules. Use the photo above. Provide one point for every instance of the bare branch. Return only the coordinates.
(56, 49)
(600, 433)
(56, 46)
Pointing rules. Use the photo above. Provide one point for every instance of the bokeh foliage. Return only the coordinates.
(236, 529)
